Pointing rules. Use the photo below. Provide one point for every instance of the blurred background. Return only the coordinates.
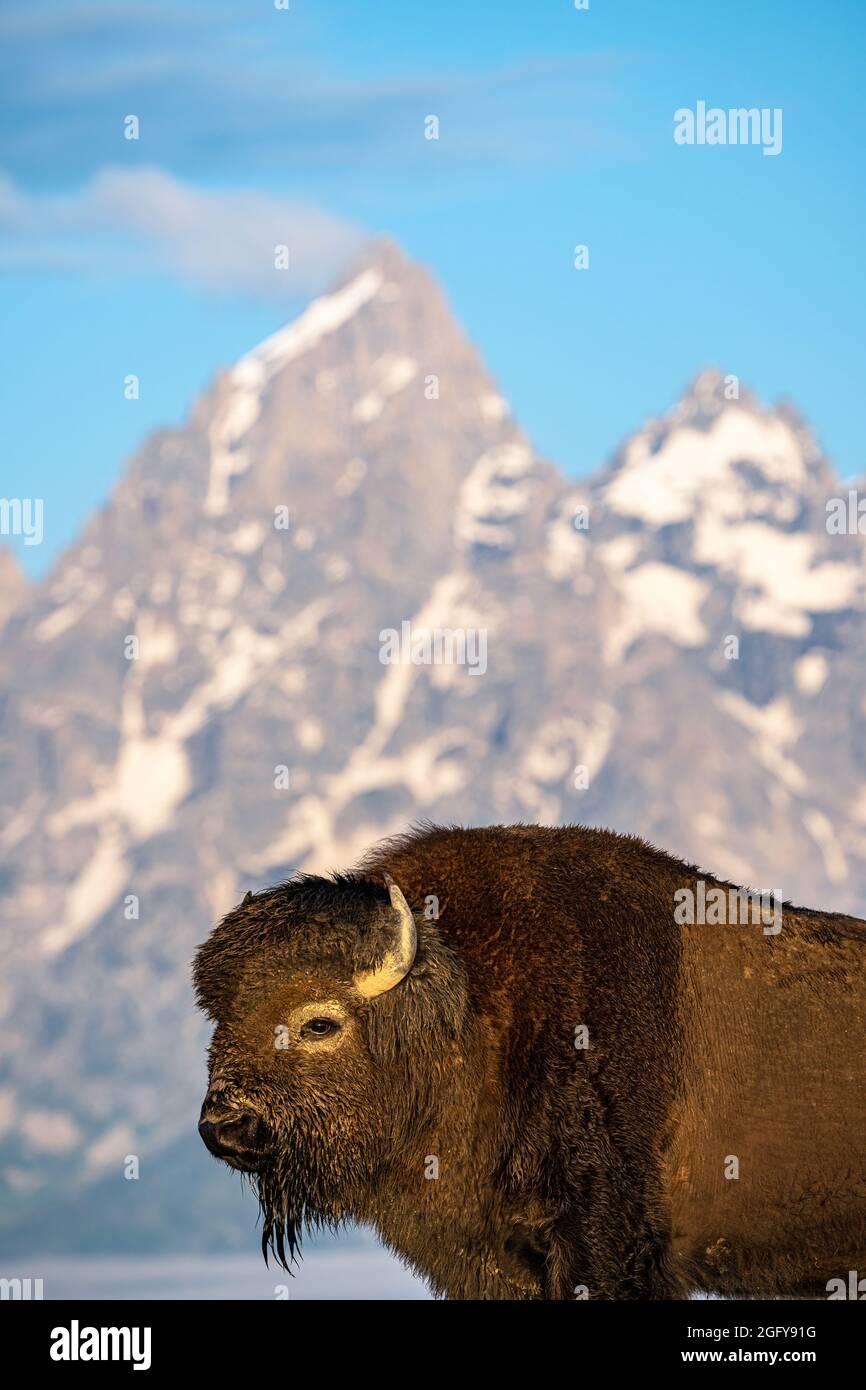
(323, 319)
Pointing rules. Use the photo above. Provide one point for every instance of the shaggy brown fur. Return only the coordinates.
(457, 1116)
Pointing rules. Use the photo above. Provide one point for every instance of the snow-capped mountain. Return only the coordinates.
(734, 642)
(196, 701)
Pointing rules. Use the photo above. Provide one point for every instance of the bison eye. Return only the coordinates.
(319, 1027)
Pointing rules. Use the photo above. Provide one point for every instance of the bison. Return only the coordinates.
(518, 1055)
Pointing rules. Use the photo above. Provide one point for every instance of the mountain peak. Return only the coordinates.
(723, 491)
(381, 253)
(709, 393)
(715, 446)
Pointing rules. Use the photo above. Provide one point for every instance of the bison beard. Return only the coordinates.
(500, 1049)
(293, 1201)
(282, 1220)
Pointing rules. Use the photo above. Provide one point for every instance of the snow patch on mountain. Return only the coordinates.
(424, 769)
(565, 553)
(775, 729)
(324, 316)
(151, 777)
(692, 468)
(496, 492)
(563, 744)
(781, 576)
(248, 538)
(658, 599)
(85, 590)
(827, 840)
(49, 1131)
(493, 407)
(244, 389)
(391, 373)
(810, 672)
(559, 748)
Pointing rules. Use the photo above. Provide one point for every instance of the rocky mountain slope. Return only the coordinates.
(13, 585)
(195, 702)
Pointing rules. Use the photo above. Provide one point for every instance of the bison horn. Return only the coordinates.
(400, 955)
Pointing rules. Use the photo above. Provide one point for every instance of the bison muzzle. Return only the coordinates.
(506, 1051)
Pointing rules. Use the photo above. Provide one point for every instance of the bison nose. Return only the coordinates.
(240, 1138)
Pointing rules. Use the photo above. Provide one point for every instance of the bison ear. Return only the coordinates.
(248, 897)
(400, 954)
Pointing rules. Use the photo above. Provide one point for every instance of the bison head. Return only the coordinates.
(336, 1016)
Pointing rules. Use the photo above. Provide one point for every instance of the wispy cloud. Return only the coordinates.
(234, 89)
(146, 220)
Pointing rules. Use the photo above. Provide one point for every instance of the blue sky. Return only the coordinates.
(556, 127)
